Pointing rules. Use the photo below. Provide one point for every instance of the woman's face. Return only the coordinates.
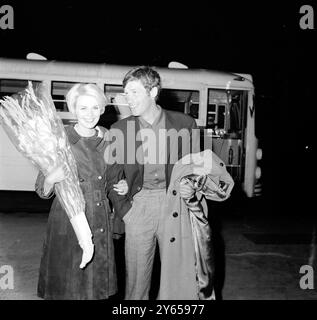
(87, 111)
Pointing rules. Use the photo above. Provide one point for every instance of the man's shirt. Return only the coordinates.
(154, 167)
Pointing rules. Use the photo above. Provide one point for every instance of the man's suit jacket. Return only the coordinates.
(127, 167)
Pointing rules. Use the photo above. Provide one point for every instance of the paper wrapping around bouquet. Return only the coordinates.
(31, 122)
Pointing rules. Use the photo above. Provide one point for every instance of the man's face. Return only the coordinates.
(139, 99)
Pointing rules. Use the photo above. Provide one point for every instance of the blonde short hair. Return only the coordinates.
(85, 89)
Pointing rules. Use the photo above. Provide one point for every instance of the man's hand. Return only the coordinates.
(121, 187)
(185, 190)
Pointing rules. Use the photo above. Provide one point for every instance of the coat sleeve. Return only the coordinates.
(219, 183)
(114, 173)
(217, 188)
(210, 177)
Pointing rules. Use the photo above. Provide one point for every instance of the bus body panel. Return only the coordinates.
(16, 172)
(89, 72)
(239, 153)
(250, 147)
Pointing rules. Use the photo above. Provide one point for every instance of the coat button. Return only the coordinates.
(99, 177)
(139, 188)
(102, 230)
(175, 214)
(81, 180)
(221, 164)
(172, 239)
(98, 204)
(174, 192)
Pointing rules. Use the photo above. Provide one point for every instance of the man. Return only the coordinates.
(147, 144)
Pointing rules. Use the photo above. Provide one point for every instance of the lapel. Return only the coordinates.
(72, 135)
(169, 124)
(138, 144)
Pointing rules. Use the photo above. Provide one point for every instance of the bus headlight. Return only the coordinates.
(259, 154)
(258, 172)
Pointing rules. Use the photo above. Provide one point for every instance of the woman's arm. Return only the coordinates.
(44, 185)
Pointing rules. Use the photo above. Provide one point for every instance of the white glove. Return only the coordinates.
(83, 234)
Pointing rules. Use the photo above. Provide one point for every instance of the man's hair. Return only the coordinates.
(147, 75)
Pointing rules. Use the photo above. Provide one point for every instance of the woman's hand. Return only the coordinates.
(185, 190)
(121, 187)
(58, 174)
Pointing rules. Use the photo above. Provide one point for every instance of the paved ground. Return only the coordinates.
(259, 256)
(21, 237)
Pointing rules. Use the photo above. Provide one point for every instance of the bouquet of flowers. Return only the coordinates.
(30, 120)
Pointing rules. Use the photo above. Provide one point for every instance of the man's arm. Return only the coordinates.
(121, 204)
(114, 173)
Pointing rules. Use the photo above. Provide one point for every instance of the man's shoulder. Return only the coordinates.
(180, 118)
(122, 123)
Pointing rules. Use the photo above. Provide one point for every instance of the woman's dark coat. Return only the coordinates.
(60, 276)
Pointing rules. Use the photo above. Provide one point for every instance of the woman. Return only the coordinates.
(60, 276)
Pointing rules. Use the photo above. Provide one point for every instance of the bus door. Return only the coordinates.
(225, 126)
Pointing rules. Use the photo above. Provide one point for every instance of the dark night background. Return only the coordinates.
(260, 38)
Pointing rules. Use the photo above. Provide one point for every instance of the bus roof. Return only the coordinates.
(93, 72)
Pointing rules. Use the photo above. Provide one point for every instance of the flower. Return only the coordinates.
(33, 126)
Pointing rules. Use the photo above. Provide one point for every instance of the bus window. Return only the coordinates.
(211, 116)
(112, 90)
(237, 109)
(112, 112)
(194, 110)
(12, 86)
(59, 90)
(216, 110)
(226, 112)
(186, 101)
(221, 116)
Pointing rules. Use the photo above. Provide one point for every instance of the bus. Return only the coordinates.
(221, 103)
